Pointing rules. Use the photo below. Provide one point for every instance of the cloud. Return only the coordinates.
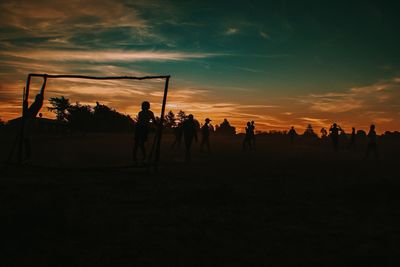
(49, 15)
(264, 35)
(357, 98)
(357, 106)
(76, 24)
(105, 56)
(232, 31)
(315, 121)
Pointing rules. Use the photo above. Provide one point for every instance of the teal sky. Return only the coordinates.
(281, 63)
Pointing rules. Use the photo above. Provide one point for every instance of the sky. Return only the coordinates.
(279, 63)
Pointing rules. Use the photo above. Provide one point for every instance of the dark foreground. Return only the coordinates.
(278, 206)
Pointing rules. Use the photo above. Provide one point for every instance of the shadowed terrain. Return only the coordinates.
(279, 205)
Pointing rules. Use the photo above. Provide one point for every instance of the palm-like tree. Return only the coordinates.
(59, 106)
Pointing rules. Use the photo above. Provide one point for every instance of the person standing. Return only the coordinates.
(352, 143)
(205, 135)
(247, 137)
(189, 128)
(372, 147)
(334, 132)
(252, 135)
(142, 127)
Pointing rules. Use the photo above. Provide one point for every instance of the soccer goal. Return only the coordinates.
(154, 144)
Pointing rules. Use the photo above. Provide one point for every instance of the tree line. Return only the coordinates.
(87, 118)
(101, 118)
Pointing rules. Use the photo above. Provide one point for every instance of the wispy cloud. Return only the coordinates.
(105, 56)
(357, 106)
(49, 15)
(264, 35)
(232, 31)
(315, 121)
(357, 98)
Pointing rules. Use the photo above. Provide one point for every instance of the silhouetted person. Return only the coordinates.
(252, 135)
(178, 132)
(324, 132)
(189, 132)
(142, 127)
(205, 135)
(30, 117)
(247, 138)
(371, 147)
(352, 143)
(292, 134)
(334, 132)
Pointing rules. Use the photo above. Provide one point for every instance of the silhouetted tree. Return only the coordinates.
(60, 106)
(361, 133)
(391, 135)
(309, 132)
(181, 116)
(170, 120)
(80, 117)
(106, 119)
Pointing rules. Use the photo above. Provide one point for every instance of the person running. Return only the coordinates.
(372, 147)
(30, 117)
(142, 127)
(205, 135)
(292, 134)
(189, 128)
(334, 132)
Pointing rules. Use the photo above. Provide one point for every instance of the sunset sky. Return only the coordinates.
(280, 63)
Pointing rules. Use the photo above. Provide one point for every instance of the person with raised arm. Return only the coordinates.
(30, 114)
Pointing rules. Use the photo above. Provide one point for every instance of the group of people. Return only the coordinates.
(188, 130)
(335, 131)
(372, 138)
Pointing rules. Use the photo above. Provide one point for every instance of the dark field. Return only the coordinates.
(278, 206)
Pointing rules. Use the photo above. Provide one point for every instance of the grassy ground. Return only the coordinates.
(278, 206)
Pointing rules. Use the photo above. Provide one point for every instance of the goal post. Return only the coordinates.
(153, 156)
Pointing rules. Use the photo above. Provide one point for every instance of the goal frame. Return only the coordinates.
(154, 155)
